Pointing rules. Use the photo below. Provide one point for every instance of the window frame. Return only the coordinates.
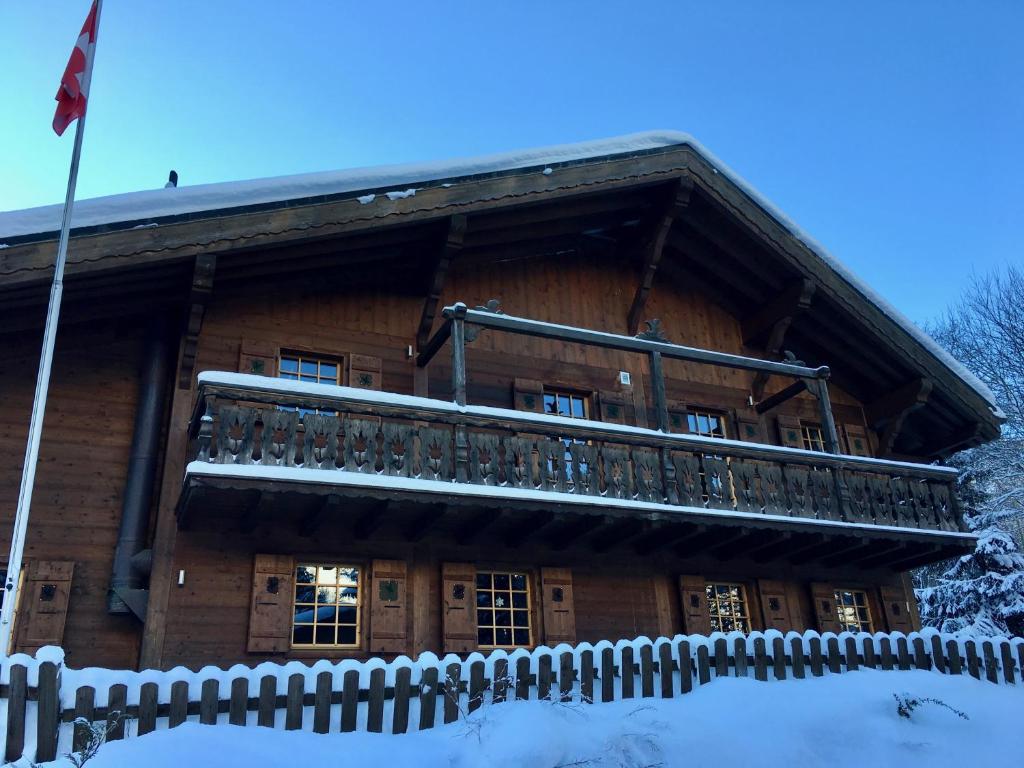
(854, 591)
(531, 605)
(810, 441)
(744, 600)
(361, 584)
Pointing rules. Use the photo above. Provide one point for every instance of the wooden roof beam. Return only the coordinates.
(199, 297)
(769, 324)
(455, 236)
(887, 414)
(678, 200)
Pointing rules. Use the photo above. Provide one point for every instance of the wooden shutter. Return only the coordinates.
(458, 607)
(364, 372)
(696, 616)
(259, 357)
(44, 604)
(557, 601)
(857, 442)
(896, 606)
(388, 600)
(749, 429)
(789, 432)
(824, 598)
(270, 612)
(616, 407)
(775, 605)
(528, 395)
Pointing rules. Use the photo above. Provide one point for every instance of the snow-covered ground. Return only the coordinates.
(840, 720)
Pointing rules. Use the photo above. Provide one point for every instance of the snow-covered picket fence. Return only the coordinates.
(41, 699)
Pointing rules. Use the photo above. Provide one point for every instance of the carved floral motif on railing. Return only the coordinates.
(360, 444)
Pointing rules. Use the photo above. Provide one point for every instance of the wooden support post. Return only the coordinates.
(828, 420)
(454, 236)
(458, 341)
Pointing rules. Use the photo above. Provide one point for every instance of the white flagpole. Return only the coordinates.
(35, 429)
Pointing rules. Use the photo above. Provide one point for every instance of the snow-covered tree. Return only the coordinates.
(983, 591)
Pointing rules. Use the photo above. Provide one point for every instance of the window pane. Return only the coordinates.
(304, 594)
(317, 615)
(289, 365)
(518, 581)
(302, 635)
(308, 368)
(503, 637)
(485, 617)
(522, 636)
(550, 406)
(496, 594)
(563, 406)
(483, 598)
(578, 410)
(483, 581)
(329, 371)
(518, 599)
(346, 635)
(485, 636)
(501, 581)
(346, 615)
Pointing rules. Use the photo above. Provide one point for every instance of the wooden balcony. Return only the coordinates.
(628, 482)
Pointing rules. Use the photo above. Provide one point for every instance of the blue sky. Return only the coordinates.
(892, 132)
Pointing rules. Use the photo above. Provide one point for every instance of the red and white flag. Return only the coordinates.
(72, 94)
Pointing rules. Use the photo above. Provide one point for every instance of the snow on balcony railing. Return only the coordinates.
(409, 442)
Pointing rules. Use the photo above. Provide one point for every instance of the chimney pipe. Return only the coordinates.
(172, 180)
(127, 593)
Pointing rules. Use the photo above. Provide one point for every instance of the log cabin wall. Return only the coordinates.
(83, 460)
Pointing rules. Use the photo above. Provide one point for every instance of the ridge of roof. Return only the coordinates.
(157, 203)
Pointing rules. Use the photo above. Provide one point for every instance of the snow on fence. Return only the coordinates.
(46, 705)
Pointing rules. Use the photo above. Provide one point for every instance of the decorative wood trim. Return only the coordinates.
(455, 235)
(199, 297)
(678, 201)
(771, 322)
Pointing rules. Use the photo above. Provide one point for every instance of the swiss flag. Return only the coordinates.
(72, 94)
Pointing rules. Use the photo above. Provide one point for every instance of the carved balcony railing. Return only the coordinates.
(252, 421)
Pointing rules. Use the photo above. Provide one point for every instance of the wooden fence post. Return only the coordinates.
(852, 656)
(607, 674)
(953, 654)
(991, 666)
(703, 665)
(665, 670)
(208, 698)
(626, 672)
(523, 678)
(400, 710)
(428, 697)
(796, 646)
(238, 707)
(294, 701)
(321, 702)
(452, 683)
(973, 664)
(938, 655)
(739, 652)
(117, 711)
(886, 652)
(646, 671)
(1006, 655)
(148, 705)
(921, 660)
(816, 666)
(685, 666)
(721, 649)
(566, 675)
(587, 676)
(179, 703)
(760, 659)
(375, 702)
(17, 699)
(500, 682)
(349, 700)
(47, 712)
(476, 685)
(902, 653)
(870, 660)
(834, 657)
(544, 677)
(779, 658)
(85, 709)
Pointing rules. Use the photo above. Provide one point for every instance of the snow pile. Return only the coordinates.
(831, 721)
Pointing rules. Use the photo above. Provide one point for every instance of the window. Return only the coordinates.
(571, 405)
(852, 610)
(302, 367)
(813, 437)
(706, 424)
(502, 609)
(727, 604)
(326, 606)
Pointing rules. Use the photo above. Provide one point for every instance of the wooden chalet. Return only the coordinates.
(584, 393)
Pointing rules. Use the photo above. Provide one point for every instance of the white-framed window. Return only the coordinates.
(326, 606)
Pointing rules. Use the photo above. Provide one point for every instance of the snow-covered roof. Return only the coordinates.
(174, 201)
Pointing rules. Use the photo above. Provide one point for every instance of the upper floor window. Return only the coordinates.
(312, 368)
(327, 598)
(727, 604)
(706, 424)
(572, 405)
(852, 610)
(502, 609)
(812, 436)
